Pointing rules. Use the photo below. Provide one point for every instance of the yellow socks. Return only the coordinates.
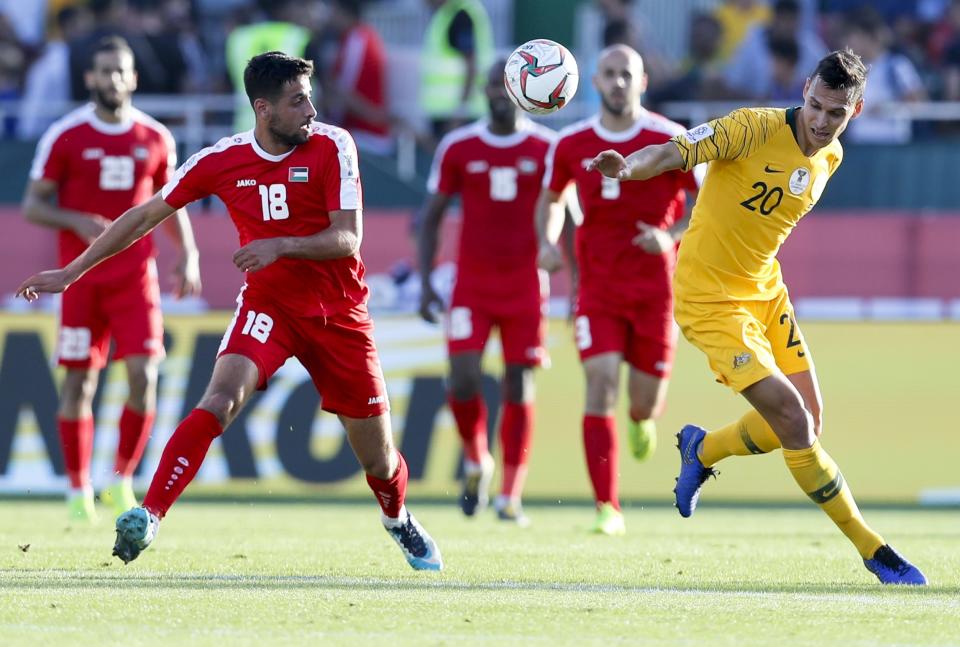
(818, 476)
(749, 435)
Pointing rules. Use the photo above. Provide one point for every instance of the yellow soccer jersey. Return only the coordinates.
(758, 186)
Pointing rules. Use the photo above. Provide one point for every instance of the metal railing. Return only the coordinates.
(200, 120)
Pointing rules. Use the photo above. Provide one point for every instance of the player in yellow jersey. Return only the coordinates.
(767, 168)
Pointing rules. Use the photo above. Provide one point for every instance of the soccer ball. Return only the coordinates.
(541, 76)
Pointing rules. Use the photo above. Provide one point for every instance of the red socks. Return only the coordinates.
(181, 460)
(516, 432)
(76, 440)
(134, 433)
(391, 493)
(471, 417)
(600, 445)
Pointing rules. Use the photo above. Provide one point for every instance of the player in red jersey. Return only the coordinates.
(497, 167)
(293, 191)
(625, 250)
(90, 167)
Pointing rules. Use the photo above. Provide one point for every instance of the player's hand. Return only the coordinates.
(257, 254)
(51, 281)
(90, 226)
(430, 304)
(611, 164)
(653, 240)
(186, 276)
(549, 258)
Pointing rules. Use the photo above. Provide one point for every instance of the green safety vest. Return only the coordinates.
(244, 43)
(444, 69)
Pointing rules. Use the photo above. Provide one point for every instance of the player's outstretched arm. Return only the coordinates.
(186, 273)
(643, 164)
(550, 219)
(133, 225)
(339, 240)
(427, 239)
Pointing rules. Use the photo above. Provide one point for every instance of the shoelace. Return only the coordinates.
(411, 539)
(892, 561)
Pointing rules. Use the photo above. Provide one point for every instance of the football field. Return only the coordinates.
(264, 573)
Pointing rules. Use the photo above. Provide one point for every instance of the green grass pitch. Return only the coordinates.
(268, 573)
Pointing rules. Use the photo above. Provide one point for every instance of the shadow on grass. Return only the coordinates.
(49, 579)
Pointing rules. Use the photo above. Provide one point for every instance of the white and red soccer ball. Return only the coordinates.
(541, 76)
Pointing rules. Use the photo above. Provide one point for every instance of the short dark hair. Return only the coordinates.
(842, 70)
(266, 74)
(109, 44)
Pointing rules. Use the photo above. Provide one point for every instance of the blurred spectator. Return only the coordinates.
(13, 62)
(750, 71)
(944, 34)
(48, 80)
(737, 18)
(283, 30)
(146, 17)
(892, 78)
(624, 25)
(25, 19)
(700, 75)
(356, 96)
(458, 45)
(950, 56)
(110, 18)
(786, 77)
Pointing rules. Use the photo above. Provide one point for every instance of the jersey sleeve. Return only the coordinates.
(341, 181)
(445, 176)
(557, 173)
(50, 159)
(734, 137)
(191, 181)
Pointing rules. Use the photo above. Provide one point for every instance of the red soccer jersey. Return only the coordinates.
(499, 179)
(612, 269)
(270, 196)
(105, 169)
(361, 67)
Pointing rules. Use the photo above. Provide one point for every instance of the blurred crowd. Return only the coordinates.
(749, 50)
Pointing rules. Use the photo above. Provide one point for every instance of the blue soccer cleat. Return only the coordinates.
(416, 544)
(136, 529)
(891, 568)
(692, 472)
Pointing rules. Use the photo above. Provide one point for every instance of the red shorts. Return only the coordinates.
(128, 310)
(521, 322)
(338, 352)
(645, 334)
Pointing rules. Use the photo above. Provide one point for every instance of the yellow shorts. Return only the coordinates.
(745, 341)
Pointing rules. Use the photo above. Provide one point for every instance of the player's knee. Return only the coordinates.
(463, 386)
(143, 385)
(225, 406)
(518, 384)
(796, 424)
(381, 465)
(77, 392)
(601, 390)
